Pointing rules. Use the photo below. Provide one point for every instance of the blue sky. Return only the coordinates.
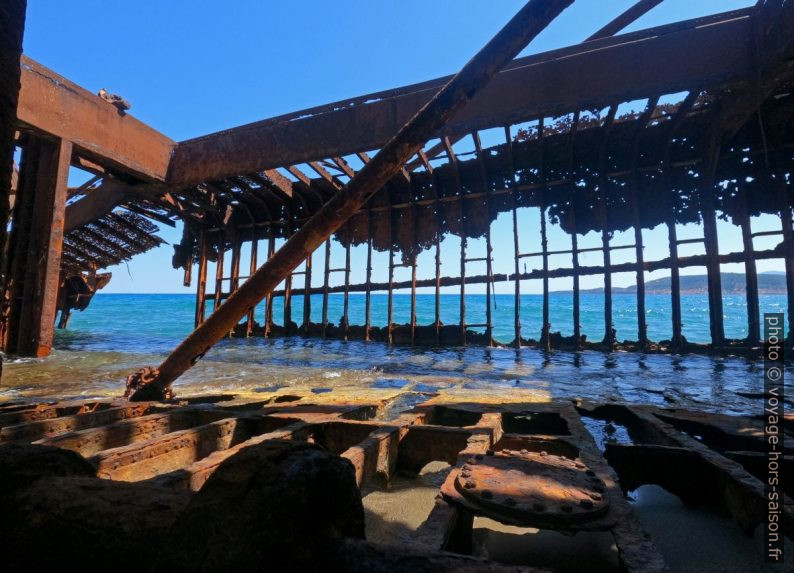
(190, 68)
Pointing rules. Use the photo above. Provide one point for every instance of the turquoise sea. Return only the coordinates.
(119, 333)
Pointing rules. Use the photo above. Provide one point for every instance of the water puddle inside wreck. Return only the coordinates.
(698, 539)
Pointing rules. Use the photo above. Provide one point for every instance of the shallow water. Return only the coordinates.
(120, 333)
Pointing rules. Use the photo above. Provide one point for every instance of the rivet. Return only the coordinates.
(524, 452)
(544, 453)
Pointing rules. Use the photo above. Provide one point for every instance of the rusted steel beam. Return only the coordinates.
(751, 276)
(326, 276)
(219, 275)
(516, 246)
(577, 328)
(631, 15)
(705, 52)
(707, 211)
(42, 272)
(545, 338)
(642, 122)
(54, 105)
(527, 23)
(367, 288)
(12, 28)
(647, 266)
(346, 303)
(14, 262)
(785, 202)
(462, 202)
(271, 249)
(307, 298)
(488, 248)
(390, 296)
(201, 286)
(249, 323)
(609, 328)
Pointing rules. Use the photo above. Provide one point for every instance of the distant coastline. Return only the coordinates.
(773, 282)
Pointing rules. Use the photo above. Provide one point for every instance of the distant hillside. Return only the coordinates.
(773, 282)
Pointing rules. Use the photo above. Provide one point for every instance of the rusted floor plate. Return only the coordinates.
(533, 489)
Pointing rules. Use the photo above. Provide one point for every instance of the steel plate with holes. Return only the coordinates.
(529, 488)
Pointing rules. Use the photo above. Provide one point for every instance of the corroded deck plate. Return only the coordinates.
(529, 488)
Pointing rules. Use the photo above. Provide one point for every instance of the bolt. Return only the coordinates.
(544, 453)
(524, 452)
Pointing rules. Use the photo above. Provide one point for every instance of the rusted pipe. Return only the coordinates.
(517, 33)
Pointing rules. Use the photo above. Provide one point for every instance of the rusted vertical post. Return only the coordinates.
(462, 280)
(368, 295)
(307, 296)
(219, 272)
(709, 215)
(603, 190)
(545, 339)
(438, 287)
(345, 314)
(751, 276)
(675, 283)
(327, 274)
(201, 286)
(525, 25)
(249, 323)
(43, 255)
(413, 298)
(271, 250)
(16, 259)
(516, 251)
(488, 247)
(234, 280)
(784, 199)
(642, 325)
(390, 309)
(12, 28)
(577, 327)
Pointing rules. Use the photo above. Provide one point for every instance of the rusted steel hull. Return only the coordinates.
(179, 446)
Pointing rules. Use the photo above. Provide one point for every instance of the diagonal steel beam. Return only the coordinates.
(149, 383)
